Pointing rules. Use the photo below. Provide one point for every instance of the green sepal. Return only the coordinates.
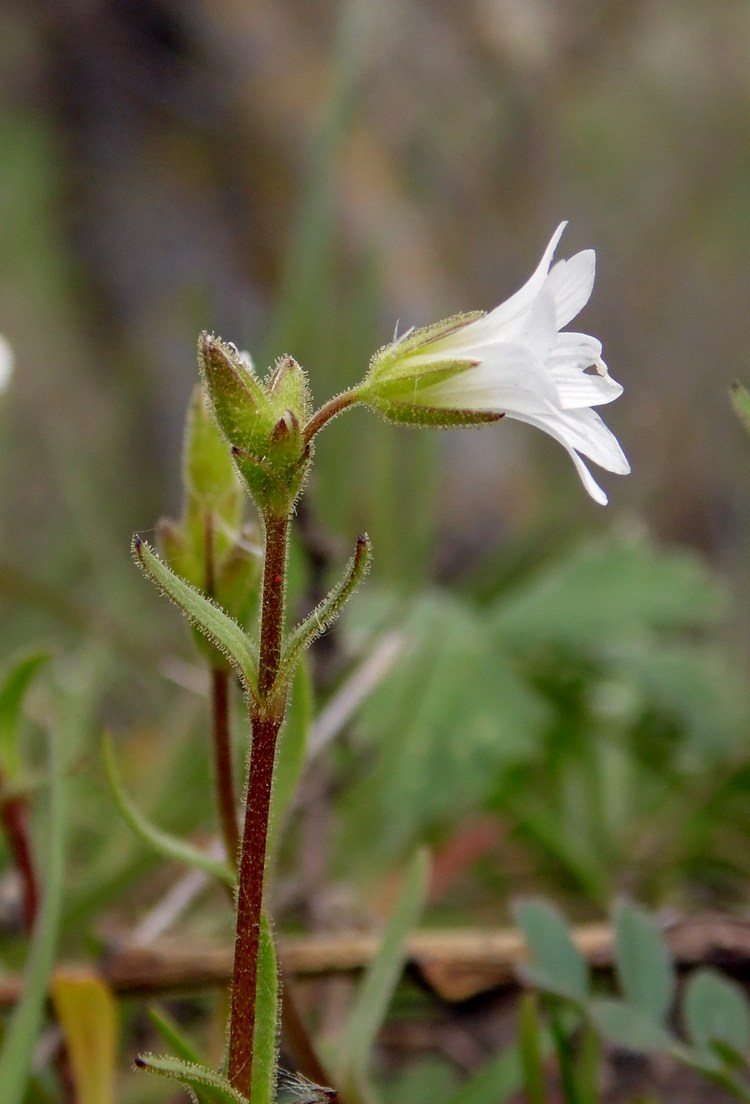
(324, 614)
(411, 414)
(193, 1077)
(388, 358)
(221, 629)
(162, 842)
(289, 388)
(12, 695)
(261, 422)
(243, 410)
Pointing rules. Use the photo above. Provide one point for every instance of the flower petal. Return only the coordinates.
(508, 378)
(507, 319)
(580, 374)
(570, 284)
(582, 430)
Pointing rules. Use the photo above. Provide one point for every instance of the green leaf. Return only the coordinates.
(376, 990)
(87, 1014)
(209, 618)
(12, 694)
(740, 397)
(449, 719)
(196, 1078)
(265, 1042)
(530, 1047)
(557, 965)
(608, 589)
(25, 1024)
(170, 846)
(324, 614)
(715, 1010)
(183, 1049)
(644, 965)
(628, 1027)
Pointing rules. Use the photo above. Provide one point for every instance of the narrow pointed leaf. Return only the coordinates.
(265, 1043)
(12, 694)
(377, 988)
(163, 842)
(87, 1014)
(644, 965)
(183, 1048)
(324, 615)
(209, 618)
(196, 1078)
(25, 1024)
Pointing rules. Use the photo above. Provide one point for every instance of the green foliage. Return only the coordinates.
(587, 704)
(530, 1047)
(196, 1079)
(715, 1011)
(442, 727)
(12, 694)
(376, 989)
(171, 847)
(22, 1032)
(212, 621)
(557, 964)
(644, 966)
(266, 1045)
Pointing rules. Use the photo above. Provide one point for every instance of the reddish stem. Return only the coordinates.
(328, 411)
(266, 720)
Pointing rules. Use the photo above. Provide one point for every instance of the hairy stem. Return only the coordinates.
(328, 411)
(266, 720)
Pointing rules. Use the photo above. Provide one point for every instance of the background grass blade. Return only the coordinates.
(377, 988)
(25, 1023)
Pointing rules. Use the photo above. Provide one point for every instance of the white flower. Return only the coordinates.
(514, 361)
(6, 362)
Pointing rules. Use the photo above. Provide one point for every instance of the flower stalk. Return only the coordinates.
(266, 718)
